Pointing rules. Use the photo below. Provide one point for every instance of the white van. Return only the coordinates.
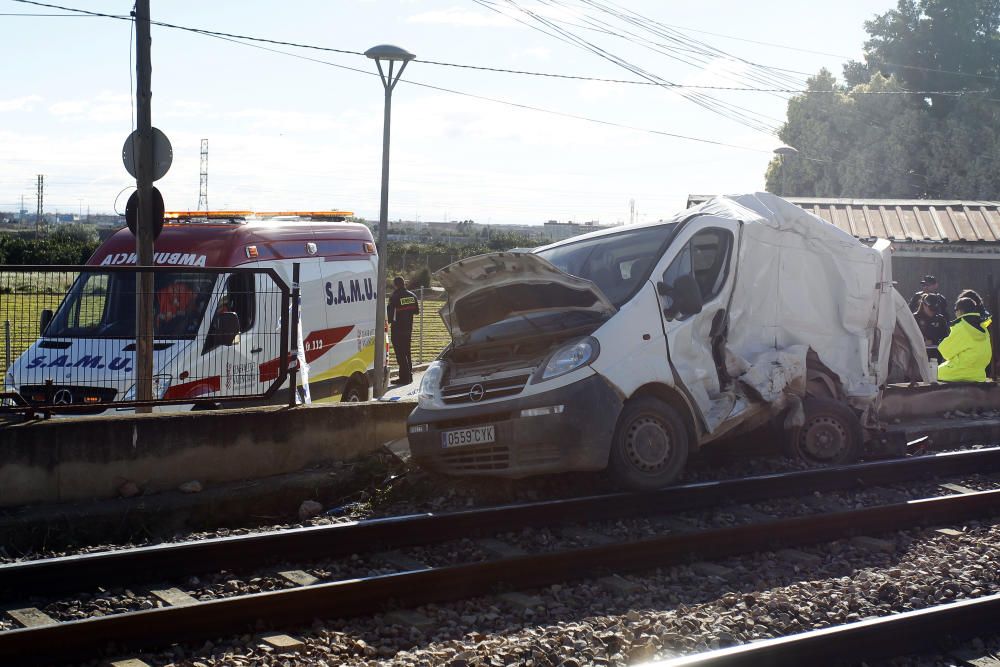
(627, 348)
(218, 336)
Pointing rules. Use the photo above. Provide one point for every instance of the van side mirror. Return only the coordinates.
(225, 329)
(43, 321)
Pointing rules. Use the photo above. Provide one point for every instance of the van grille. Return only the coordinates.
(488, 457)
(68, 395)
(496, 388)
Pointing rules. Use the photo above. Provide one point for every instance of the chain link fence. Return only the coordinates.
(69, 341)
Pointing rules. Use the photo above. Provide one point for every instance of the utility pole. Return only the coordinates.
(40, 199)
(203, 185)
(144, 226)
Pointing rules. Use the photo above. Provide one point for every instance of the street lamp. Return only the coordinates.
(785, 152)
(390, 55)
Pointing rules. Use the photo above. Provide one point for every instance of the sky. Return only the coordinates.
(289, 133)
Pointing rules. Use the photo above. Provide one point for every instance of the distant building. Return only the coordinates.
(557, 231)
(468, 232)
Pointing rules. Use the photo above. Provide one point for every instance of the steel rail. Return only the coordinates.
(69, 574)
(86, 638)
(905, 633)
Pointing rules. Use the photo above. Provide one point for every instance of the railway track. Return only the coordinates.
(192, 619)
(871, 639)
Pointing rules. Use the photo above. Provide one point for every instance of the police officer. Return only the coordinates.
(928, 285)
(400, 310)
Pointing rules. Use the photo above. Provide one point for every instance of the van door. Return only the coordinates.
(695, 282)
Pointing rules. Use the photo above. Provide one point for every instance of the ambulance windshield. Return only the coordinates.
(102, 305)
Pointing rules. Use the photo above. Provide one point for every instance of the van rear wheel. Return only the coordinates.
(650, 445)
(831, 434)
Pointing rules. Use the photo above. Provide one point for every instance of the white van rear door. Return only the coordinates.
(705, 250)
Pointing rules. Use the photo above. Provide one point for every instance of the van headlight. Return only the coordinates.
(429, 394)
(568, 358)
(160, 385)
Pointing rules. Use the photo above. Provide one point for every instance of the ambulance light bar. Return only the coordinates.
(304, 214)
(335, 216)
(209, 215)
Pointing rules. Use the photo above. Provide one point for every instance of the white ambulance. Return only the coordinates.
(218, 335)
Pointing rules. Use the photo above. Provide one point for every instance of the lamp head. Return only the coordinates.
(389, 52)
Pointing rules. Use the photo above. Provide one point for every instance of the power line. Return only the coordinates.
(484, 68)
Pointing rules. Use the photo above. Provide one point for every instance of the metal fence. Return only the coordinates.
(220, 335)
(429, 333)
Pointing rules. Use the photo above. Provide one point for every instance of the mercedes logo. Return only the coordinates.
(62, 397)
(476, 393)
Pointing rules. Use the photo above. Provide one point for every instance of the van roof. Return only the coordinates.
(224, 244)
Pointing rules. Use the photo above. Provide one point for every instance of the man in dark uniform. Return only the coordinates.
(928, 285)
(400, 310)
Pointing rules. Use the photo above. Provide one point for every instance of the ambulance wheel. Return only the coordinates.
(650, 445)
(830, 435)
(355, 392)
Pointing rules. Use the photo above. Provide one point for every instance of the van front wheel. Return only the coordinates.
(650, 445)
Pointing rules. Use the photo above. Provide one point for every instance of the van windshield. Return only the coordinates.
(102, 305)
(616, 263)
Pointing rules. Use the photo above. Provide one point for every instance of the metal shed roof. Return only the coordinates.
(902, 220)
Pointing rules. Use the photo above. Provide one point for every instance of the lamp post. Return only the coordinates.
(785, 152)
(388, 55)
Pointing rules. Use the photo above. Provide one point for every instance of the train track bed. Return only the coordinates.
(661, 614)
(413, 492)
(529, 540)
(661, 592)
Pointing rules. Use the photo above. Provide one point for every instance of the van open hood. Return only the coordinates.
(487, 289)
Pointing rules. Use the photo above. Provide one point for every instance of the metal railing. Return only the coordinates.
(221, 335)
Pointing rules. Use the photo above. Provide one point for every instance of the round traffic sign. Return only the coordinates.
(132, 212)
(163, 154)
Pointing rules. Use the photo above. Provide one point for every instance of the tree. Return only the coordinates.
(869, 138)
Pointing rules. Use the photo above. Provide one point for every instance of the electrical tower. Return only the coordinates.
(41, 195)
(203, 187)
(631, 211)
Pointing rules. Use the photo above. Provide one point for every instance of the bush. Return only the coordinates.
(421, 278)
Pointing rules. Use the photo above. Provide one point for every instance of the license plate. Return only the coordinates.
(469, 436)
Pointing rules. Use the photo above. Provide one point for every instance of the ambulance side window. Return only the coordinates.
(240, 298)
(88, 310)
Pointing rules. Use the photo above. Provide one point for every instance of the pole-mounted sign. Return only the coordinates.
(163, 154)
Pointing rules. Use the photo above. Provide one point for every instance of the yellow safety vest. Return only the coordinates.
(967, 352)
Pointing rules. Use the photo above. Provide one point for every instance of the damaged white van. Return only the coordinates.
(627, 348)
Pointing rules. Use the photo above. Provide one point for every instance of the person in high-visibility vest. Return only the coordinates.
(400, 310)
(967, 350)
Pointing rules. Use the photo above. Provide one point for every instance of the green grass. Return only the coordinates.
(23, 297)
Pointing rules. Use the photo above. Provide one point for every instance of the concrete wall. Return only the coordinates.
(61, 460)
(906, 404)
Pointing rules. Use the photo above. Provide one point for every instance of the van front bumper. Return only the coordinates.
(578, 438)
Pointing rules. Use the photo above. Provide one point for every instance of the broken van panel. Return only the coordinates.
(730, 314)
(492, 288)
